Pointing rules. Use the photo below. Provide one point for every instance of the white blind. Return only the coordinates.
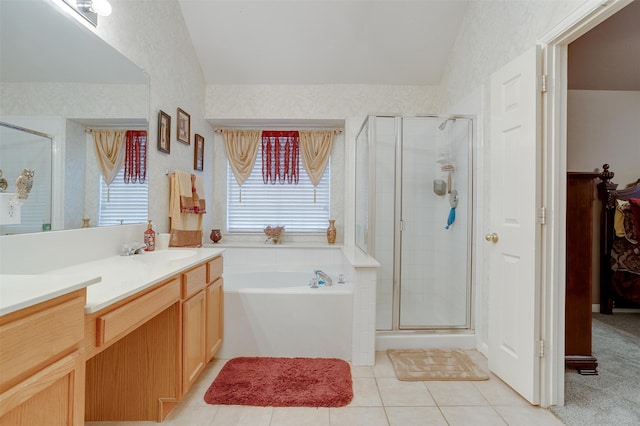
(278, 204)
(124, 203)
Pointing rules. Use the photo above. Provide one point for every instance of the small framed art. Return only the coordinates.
(198, 152)
(164, 132)
(184, 127)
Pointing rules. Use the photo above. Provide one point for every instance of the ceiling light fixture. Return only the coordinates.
(99, 7)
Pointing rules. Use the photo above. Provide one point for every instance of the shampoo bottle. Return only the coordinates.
(150, 238)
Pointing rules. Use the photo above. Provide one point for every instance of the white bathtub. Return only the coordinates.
(276, 313)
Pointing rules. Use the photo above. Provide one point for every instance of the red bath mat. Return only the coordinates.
(282, 382)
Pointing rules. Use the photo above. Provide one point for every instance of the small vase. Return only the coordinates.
(85, 222)
(215, 235)
(331, 232)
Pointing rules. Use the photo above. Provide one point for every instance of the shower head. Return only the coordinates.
(443, 125)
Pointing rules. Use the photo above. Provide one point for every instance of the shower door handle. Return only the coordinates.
(491, 237)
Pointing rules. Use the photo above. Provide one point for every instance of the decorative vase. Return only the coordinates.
(85, 222)
(331, 231)
(215, 235)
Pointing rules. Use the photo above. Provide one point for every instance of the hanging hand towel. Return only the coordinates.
(451, 218)
(189, 187)
(186, 227)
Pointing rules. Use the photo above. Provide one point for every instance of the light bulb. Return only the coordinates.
(101, 7)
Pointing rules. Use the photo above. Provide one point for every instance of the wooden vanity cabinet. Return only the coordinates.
(201, 318)
(42, 364)
(150, 348)
(194, 311)
(215, 307)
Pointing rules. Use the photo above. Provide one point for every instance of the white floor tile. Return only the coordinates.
(379, 399)
(455, 393)
(296, 416)
(396, 393)
(237, 415)
(472, 416)
(527, 416)
(365, 393)
(358, 416)
(415, 416)
(498, 393)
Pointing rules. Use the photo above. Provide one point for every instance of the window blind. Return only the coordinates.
(123, 202)
(278, 204)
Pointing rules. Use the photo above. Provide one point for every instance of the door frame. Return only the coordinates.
(554, 169)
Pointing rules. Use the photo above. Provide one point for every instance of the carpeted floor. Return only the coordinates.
(627, 322)
(613, 396)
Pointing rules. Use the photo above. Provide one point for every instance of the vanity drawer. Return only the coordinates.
(214, 269)
(37, 335)
(126, 318)
(194, 280)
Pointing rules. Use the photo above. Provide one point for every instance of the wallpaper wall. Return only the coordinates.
(491, 35)
(153, 35)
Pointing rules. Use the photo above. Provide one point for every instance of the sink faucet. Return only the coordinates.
(129, 249)
(320, 275)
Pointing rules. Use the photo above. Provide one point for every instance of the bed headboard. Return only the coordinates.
(608, 193)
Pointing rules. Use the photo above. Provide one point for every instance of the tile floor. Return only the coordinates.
(379, 399)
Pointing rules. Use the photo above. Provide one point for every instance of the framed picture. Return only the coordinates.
(198, 152)
(164, 132)
(184, 127)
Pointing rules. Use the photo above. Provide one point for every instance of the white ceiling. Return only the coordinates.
(322, 41)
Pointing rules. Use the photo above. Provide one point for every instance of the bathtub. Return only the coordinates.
(276, 313)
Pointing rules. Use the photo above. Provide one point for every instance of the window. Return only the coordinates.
(278, 204)
(123, 202)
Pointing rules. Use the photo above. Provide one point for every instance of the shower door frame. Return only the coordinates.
(398, 225)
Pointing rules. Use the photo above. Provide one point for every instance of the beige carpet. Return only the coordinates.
(434, 364)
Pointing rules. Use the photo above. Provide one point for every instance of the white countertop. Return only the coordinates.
(21, 291)
(109, 280)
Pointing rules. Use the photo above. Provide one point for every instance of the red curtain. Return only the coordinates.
(280, 157)
(135, 158)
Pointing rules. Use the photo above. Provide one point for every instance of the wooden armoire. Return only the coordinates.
(580, 196)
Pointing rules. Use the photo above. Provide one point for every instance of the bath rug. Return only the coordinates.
(434, 364)
(282, 382)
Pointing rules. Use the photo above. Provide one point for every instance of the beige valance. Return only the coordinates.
(109, 153)
(242, 150)
(315, 147)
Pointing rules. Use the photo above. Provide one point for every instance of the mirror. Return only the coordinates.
(57, 78)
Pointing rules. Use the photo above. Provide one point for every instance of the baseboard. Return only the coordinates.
(596, 308)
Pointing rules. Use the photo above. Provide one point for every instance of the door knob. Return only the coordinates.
(491, 237)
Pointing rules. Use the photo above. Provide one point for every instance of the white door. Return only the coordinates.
(514, 238)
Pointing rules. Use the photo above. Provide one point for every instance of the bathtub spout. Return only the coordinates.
(320, 275)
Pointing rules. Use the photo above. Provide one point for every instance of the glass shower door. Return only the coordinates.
(433, 269)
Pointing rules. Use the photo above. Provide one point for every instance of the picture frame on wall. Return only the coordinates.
(164, 132)
(198, 152)
(183, 129)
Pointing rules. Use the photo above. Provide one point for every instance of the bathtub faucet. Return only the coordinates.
(320, 275)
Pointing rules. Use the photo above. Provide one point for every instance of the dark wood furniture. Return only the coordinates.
(612, 281)
(579, 260)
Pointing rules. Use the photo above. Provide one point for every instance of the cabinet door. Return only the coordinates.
(193, 339)
(53, 396)
(215, 317)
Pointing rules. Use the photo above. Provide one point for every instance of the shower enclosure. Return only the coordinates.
(413, 214)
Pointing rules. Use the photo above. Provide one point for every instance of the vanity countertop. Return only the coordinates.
(21, 291)
(107, 280)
